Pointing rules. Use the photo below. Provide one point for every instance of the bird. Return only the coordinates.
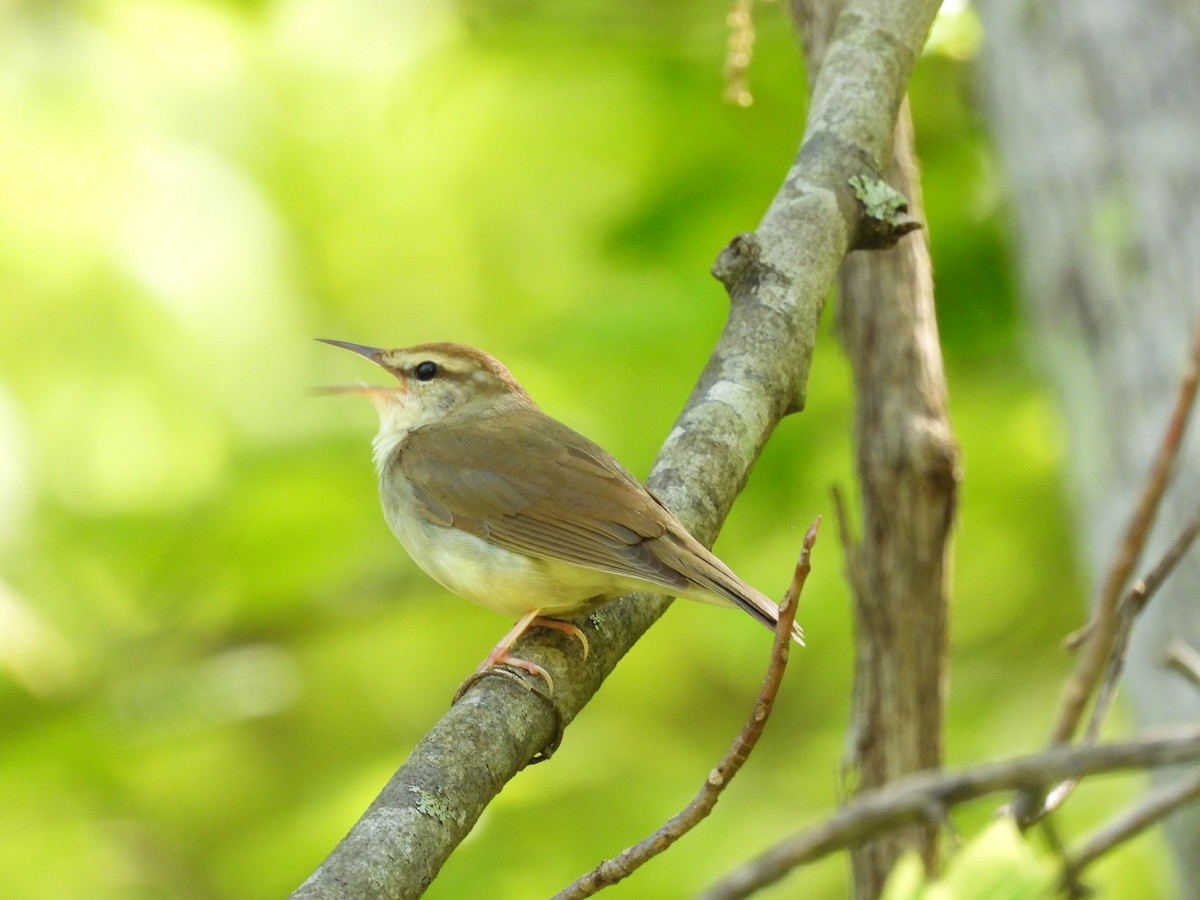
(511, 509)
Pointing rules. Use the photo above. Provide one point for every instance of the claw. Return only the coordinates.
(500, 656)
(504, 659)
(499, 669)
(565, 628)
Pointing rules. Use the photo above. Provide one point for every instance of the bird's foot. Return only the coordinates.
(565, 628)
(500, 657)
(500, 669)
(501, 662)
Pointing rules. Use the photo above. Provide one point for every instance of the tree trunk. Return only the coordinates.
(1093, 105)
(908, 470)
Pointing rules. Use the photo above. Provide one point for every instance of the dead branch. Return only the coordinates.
(1130, 608)
(1185, 660)
(629, 860)
(1102, 630)
(915, 797)
(1102, 636)
(1152, 808)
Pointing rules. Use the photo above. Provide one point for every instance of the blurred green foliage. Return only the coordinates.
(997, 864)
(212, 653)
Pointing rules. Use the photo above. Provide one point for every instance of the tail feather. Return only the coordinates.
(715, 581)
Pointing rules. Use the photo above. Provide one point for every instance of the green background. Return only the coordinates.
(213, 653)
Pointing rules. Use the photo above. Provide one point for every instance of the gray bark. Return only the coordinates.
(1095, 109)
(908, 471)
(908, 468)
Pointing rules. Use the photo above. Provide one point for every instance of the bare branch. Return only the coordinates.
(907, 463)
(629, 860)
(1184, 660)
(1103, 628)
(1105, 638)
(1152, 808)
(1130, 608)
(1144, 590)
(910, 799)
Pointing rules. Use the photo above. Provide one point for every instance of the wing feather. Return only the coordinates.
(531, 484)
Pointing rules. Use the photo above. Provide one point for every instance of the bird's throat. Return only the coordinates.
(384, 444)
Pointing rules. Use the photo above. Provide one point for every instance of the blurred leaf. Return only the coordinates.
(997, 864)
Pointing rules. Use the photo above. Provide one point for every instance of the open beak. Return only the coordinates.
(374, 391)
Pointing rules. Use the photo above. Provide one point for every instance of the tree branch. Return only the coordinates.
(1102, 630)
(917, 796)
(1152, 808)
(1128, 610)
(778, 278)
(629, 860)
(909, 471)
(1130, 607)
(1105, 640)
(1184, 660)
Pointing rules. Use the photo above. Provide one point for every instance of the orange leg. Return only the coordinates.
(500, 656)
(565, 628)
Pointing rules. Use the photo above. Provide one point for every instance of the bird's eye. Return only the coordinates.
(426, 371)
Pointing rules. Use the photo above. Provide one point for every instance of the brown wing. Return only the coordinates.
(531, 484)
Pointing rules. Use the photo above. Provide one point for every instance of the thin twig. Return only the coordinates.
(1155, 806)
(1071, 886)
(1145, 588)
(1130, 608)
(1101, 633)
(1184, 659)
(1104, 623)
(910, 798)
(613, 870)
(1175, 553)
